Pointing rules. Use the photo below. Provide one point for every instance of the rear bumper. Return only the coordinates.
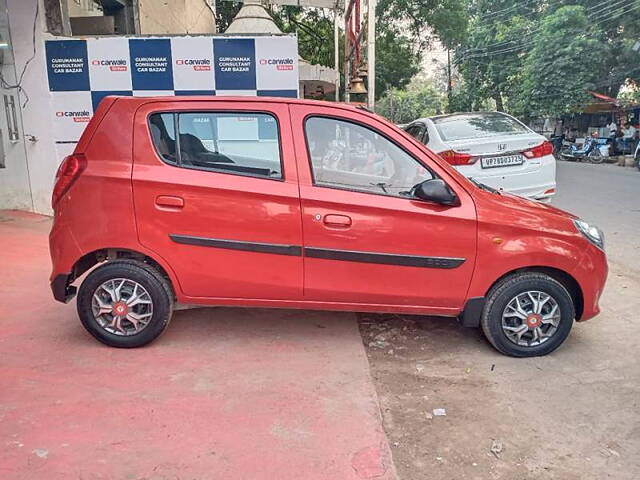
(538, 184)
(61, 288)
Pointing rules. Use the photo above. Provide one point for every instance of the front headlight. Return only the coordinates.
(593, 233)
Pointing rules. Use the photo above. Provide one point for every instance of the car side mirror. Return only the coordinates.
(435, 190)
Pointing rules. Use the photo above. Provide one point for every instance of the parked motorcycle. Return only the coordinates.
(590, 151)
(636, 157)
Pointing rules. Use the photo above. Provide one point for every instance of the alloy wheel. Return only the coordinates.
(122, 307)
(531, 318)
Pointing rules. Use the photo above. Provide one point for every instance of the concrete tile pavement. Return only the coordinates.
(224, 393)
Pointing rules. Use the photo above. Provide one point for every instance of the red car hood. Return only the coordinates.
(515, 203)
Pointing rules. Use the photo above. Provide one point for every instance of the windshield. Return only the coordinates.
(477, 125)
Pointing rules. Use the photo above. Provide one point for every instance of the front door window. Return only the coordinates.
(352, 157)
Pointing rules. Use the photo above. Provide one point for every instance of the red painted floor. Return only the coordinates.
(223, 394)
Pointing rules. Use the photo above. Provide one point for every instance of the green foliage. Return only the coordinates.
(542, 57)
(557, 80)
(421, 99)
(225, 12)
(424, 20)
(396, 63)
(314, 28)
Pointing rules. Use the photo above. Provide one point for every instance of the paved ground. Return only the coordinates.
(573, 415)
(609, 196)
(252, 394)
(224, 394)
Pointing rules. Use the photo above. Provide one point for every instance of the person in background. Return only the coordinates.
(558, 134)
(558, 130)
(613, 138)
(547, 128)
(628, 137)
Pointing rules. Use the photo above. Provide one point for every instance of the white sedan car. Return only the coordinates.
(492, 148)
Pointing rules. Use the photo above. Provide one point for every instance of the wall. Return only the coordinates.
(83, 8)
(158, 17)
(41, 155)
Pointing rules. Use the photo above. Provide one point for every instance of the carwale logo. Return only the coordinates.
(118, 65)
(78, 117)
(282, 64)
(198, 64)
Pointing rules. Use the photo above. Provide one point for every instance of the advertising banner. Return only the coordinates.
(82, 72)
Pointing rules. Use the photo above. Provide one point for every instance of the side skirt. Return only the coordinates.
(315, 305)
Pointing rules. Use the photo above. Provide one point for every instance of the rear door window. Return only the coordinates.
(236, 143)
(477, 125)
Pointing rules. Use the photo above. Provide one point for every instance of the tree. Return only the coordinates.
(617, 26)
(421, 99)
(314, 28)
(490, 58)
(557, 80)
(396, 62)
(512, 55)
(424, 20)
(225, 13)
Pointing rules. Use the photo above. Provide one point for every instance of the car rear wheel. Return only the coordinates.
(125, 303)
(528, 315)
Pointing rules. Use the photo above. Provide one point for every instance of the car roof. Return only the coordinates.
(214, 98)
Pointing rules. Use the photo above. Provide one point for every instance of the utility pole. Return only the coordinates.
(336, 46)
(449, 84)
(371, 54)
(347, 53)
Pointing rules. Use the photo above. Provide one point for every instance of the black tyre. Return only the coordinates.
(527, 315)
(125, 303)
(595, 156)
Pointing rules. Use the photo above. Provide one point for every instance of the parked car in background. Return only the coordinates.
(492, 148)
(287, 203)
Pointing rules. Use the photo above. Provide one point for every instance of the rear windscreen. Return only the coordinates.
(477, 125)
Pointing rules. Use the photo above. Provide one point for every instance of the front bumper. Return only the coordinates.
(61, 288)
(592, 277)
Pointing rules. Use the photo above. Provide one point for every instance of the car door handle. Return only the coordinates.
(337, 221)
(169, 201)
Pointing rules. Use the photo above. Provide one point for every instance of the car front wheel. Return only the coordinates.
(125, 303)
(527, 315)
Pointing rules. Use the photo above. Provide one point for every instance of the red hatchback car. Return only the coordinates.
(299, 204)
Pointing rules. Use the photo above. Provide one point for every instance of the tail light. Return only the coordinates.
(68, 172)
(542, 150)
(456, 158)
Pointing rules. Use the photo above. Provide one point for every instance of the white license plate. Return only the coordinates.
(503, 161)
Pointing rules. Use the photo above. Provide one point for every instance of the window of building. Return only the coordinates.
(91, 17)
(349, 156)
(239, 143)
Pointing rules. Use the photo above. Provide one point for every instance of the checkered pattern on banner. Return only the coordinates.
(83, 72)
